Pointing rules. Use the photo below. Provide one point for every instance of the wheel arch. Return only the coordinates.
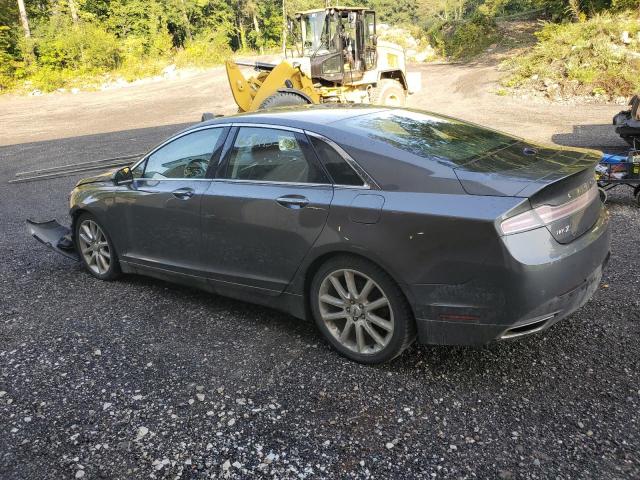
(78, 210)
(297, 92)
(395, 74)
(313, 267)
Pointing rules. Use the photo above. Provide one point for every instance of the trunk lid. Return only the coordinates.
(522, 169)
(550, 177)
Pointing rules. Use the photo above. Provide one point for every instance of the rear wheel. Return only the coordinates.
(361, 311)
(95, 248)
(388, 93)
(283, 99)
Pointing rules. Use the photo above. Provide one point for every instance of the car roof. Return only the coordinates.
(315, 118)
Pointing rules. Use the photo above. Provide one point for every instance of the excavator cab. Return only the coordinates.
(340, 43)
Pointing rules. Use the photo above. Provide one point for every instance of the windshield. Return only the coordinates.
(316, 37)
(431, 136)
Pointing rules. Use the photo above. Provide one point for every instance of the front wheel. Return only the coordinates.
(95, 248)
(361, 311)
(388, 93)
(282, 99)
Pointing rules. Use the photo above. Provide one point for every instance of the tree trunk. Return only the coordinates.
(24, 19)
(185, 17)
(74, 11)
(241, 34)
(285, 26)
(256, 27)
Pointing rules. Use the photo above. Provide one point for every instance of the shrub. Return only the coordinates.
(463, 39)
(7, 62)
(584, 57)
(207, 48)
(85, 47)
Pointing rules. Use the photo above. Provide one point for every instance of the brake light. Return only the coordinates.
(546, 214)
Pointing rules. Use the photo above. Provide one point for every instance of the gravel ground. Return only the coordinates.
(139, 378)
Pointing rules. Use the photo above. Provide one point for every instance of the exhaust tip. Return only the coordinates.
(528, 328)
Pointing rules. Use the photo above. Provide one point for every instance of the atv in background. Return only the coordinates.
(627, 122)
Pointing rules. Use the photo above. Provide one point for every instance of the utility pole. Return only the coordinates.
(24, 19)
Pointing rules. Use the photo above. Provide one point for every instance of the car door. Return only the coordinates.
(161, 208)
(265, 209)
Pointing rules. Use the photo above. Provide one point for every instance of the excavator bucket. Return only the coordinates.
(251, 93)
(242, 92)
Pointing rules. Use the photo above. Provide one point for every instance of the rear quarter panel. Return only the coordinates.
(420, 238)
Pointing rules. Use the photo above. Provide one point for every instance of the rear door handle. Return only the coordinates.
(293, 201)
(183, 193)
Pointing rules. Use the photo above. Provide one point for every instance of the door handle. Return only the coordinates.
(293, 201)
(183, 193)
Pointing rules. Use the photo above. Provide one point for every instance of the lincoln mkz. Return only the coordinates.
(383, 225)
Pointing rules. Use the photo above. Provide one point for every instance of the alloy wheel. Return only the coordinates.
(356, 311)
(94, 247)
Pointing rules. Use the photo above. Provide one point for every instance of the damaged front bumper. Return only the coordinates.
(55, 236)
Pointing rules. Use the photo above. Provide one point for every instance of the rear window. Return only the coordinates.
(338, 168)
(430, 136)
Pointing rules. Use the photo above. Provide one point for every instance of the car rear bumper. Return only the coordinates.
(538, 283)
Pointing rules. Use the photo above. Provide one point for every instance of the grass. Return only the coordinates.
(582, 58)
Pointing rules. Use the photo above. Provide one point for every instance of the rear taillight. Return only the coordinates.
(546, 214)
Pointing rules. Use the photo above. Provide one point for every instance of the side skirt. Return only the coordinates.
(284, 302)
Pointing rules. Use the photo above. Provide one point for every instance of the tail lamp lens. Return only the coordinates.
(546, 214)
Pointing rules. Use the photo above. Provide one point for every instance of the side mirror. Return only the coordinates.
(123, 176)
(374, 40)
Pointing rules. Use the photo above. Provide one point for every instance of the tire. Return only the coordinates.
(89, 234)
(392, 322)
(636, 194)
(388, 92)
(283, 99)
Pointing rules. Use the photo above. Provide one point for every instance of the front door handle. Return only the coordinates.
(183, 193)
(293, 201)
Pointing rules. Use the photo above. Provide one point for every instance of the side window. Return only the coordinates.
(185, 157)
(338, 168)
(370, 55)
(269, 154)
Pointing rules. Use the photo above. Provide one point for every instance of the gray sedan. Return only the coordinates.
(383, 225)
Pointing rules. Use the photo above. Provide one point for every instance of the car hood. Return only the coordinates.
(523, 169)
(101, 177)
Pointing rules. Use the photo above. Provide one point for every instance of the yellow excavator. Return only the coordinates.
(337, 58)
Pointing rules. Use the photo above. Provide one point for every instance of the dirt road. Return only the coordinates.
(462, 90)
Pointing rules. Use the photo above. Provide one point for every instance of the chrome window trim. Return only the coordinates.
(367, 180)
(256, 182)
(267, 125)
(173, 179)
(176, 137)
(272, 182)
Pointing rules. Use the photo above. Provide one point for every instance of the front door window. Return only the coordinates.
(271, 155)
